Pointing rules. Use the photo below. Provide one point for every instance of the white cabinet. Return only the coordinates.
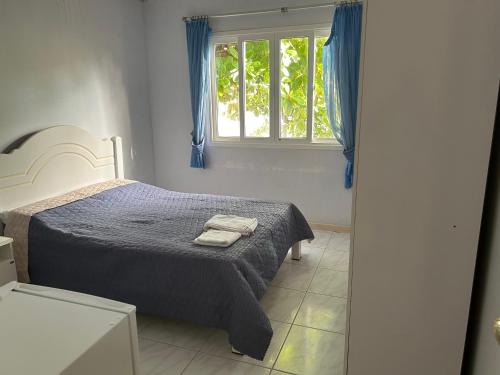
(48, 331)
(7, 264)
(428, 98)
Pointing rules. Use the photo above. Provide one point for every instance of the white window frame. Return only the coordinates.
(274, 35)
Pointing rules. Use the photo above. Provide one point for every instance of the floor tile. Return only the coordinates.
(310, 256)
(185, 335)
(163, 359)
(204, 364)
(339, 242)
(343, 264)
(276, 372)
(309, 351)
(330, 259)
(281, 304)
(218, 345)
(321, 238)
(330, 282)
(322, 312)
(293, 276)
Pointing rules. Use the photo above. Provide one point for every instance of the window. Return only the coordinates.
(267, 88)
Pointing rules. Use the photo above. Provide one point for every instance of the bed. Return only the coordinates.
(79, 225)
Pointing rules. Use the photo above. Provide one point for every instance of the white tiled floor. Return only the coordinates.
(306, 304)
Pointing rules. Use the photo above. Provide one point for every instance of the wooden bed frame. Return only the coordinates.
(60, 159)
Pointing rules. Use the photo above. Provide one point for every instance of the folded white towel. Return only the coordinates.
(215, 237)
(232, 223)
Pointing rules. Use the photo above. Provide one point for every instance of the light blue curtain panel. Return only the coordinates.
(198, 45)
(341, 76)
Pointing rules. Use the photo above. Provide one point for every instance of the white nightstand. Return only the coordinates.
(7, 264)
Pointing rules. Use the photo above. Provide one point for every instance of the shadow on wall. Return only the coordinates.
(82, 63)
(17, 143)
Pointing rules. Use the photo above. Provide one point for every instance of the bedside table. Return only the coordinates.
(7, 264)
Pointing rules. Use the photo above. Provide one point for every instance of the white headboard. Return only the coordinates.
(54, 161)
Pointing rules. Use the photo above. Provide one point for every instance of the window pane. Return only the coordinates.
(227, 85)
(293, 87)
(257, 86)
(321, 124)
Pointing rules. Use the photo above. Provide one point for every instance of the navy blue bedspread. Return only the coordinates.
(133, 244)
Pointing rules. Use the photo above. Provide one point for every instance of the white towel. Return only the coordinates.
(215, 237)
(232, 223)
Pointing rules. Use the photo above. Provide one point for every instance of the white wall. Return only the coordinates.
(81, 63)
(313, 179)
(429, 94)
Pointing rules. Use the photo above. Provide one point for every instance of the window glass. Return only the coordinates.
(227, 89)
(321, 124)
(257, 88)
(276, 92)
(293, 87)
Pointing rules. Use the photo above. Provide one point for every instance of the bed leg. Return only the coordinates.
(296, 251)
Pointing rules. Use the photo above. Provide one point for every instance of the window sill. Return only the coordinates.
(293, 146)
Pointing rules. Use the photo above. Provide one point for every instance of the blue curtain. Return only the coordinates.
(340, 78)
(198, 44)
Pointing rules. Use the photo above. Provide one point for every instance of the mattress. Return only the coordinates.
(133, 243)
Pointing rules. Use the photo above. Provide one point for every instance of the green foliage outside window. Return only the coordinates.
(293, 85)
(257, 84)
(321, 123)
(226, 61)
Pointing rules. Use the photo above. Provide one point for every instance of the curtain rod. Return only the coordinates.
(275, 10)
